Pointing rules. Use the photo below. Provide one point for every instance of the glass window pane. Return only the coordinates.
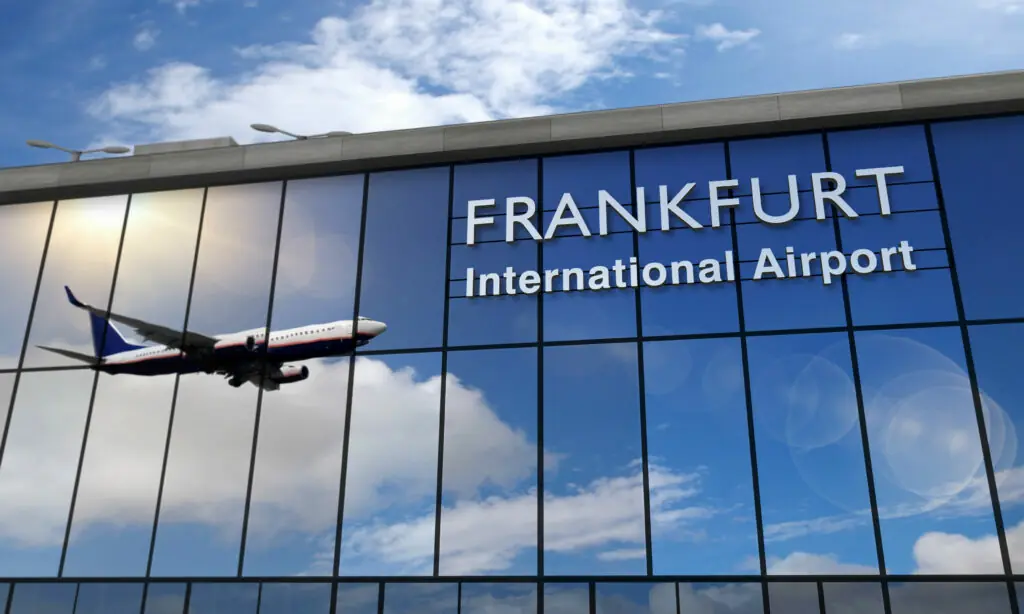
(566, 599)
(295, 598)
(224, 598)
(583, 175)
(119, 598)
(976, 160)
(906, 146)
(505, 598)
(391, 480)
(933, 497)
(410, 598)
(6, 387)
(635, 598)
(853, 598)
(489, 513)
(4, 593)
(43, 447)
(997, 358)
(408, 210)
(211, 442)
(492, 319)
(918, 287)
(113, 515)
(81, 255)
(810, 457)
(358, 598)
(23, 230)
(702, 502)
(813, 302)
(949, 597)
(293, 511)
(721, 598)
(593, 479)
(43, 598)
(793, 597)
(588, 314)
(165, 598)
(683, 304)
(772, 160)
(573, 311)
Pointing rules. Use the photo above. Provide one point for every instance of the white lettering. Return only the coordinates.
(656, 279)
(764, 216)
(512, 218)
(472, 221)
(672, 206)
(879, 175)
(767, 263)
(717, 202)
(832, 263)
(576, 218)
(834, 195)
(638, 223)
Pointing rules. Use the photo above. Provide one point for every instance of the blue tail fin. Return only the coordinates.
(106, 339)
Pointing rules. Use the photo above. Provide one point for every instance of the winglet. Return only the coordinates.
(71, 298)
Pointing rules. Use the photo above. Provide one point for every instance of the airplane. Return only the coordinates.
(241, 357)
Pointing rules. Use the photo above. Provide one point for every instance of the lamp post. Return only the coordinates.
(301, 137)
(76, 154)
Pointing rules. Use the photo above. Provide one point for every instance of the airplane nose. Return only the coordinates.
(372, 327)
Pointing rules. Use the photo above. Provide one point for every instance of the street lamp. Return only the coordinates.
(301, 137)
(76, 154)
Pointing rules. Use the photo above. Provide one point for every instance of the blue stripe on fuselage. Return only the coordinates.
(225, 357)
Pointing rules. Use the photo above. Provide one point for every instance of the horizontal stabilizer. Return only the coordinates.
(69, 354)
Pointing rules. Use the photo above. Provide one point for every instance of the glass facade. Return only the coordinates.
(748, 376)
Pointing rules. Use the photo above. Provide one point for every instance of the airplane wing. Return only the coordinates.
(151, 332)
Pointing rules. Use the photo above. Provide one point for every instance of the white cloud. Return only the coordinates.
(800, 563)
(853, 40)
(1008, 7)
(183, 5)
(396, 64)
(392, 469)
(725, 38)
(145, 39)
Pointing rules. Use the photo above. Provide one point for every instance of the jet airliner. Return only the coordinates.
(246, 356)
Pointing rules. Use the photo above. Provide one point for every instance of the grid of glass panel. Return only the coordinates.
(735, 430)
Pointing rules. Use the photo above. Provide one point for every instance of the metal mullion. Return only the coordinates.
(972, 374)
(444, 381)
(263, 376)
(859, 395)
(754, 477)
(92, 393)
(174, 394)
(28, 332)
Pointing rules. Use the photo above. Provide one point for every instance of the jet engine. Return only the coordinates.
(250, 343)
(288, 374)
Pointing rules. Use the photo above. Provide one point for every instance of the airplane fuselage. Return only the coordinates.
(293, 344)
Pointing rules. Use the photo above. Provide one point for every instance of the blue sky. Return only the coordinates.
(125, 71)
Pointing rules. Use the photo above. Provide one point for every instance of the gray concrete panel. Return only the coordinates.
(606, 123)
(221, 159)
(312, 151)
(724, 112)
(841, 101)
(757, 115)
(497, 134)
(397, 143)
(189, 145)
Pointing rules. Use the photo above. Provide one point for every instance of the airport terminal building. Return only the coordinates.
(745, 356)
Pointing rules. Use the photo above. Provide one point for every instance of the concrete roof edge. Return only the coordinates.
(851, 106)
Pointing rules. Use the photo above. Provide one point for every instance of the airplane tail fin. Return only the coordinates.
(106, 339)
